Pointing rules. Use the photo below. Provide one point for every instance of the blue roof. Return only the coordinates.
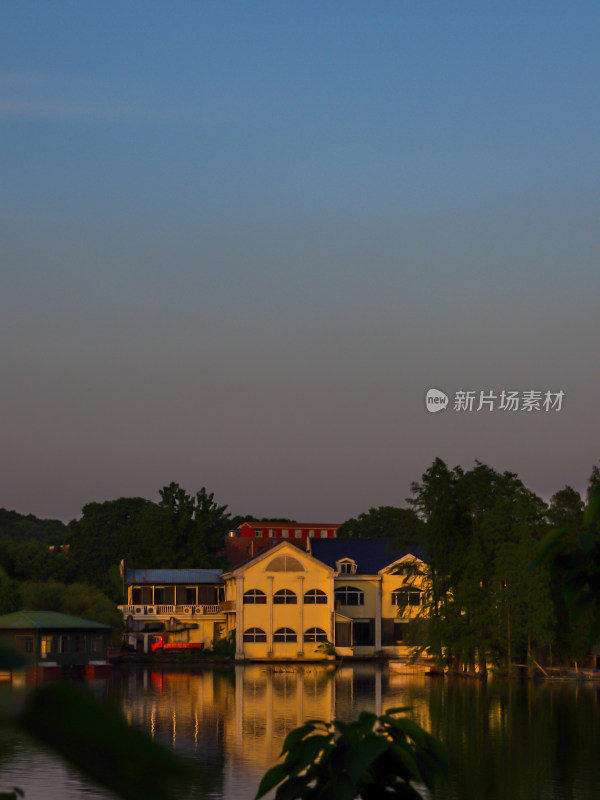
(370, 555)
(189, 576)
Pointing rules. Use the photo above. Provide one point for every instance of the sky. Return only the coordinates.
(241, 241)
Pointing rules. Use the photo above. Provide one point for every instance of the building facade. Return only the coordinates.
(281, 605)
(185, 604)
(52, 640)
(354, 597)
(345, 597)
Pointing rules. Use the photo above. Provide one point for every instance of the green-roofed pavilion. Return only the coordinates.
(55, 639)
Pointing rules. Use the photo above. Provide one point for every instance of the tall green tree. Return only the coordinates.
(435, 501)
(566, 510)
(575, 562)
(103, 535)
(78, 599)
(479, 527)
(181, 530)
(191, 529)
(20, 527)
(31, 558)
(401, 524)
(565, 514)
(10, 594)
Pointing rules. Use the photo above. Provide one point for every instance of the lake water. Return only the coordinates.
(538, 742)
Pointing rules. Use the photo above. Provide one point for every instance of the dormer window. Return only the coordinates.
(346, 566)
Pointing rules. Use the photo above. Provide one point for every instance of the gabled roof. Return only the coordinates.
(188, 576)
(47, 619)
(272, 551)
(370, 555)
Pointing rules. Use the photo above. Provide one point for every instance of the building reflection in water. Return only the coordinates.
(539, 741)
(241, 715)
(500, 736)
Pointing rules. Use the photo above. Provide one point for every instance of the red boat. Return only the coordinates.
(160, 643)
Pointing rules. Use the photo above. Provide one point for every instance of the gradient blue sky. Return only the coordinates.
(241, 240)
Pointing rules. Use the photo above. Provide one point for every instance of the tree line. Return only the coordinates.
(491, 599)
(180, 530)
(478, 531)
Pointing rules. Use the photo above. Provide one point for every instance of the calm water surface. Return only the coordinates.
(504, 741)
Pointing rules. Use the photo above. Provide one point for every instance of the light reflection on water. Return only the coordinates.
(504, 740)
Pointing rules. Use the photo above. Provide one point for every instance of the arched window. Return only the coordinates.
(254, 596)
(315, 597)
(284, 563)
(407, 597)
(285, 635)
(315, 635)
(349, 596)
(255, 635)
(285, 597)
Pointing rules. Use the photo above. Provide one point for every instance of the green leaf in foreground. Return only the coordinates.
(370, 758)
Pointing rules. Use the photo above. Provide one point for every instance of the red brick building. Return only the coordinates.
(251, 538)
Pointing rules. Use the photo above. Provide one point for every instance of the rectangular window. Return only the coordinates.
(79, 643)
(405, 597)
(285, 635)
(363, 632)
(349, 596)
(258, 533)
(284, 534)
(141, 595)
(208, 595)
(46, 646)
(311, 533)
(315, 597)
(164, 595)
(285, 597)
(255, 597)
(185, 595)
(400, 630)
(64, 643)
(97, 644)
(24, 643)
(387, 631)
(298, 533)
(255, 635)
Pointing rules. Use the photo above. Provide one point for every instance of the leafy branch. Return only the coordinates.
(372, 758)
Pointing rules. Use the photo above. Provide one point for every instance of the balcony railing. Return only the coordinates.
(169, 610)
